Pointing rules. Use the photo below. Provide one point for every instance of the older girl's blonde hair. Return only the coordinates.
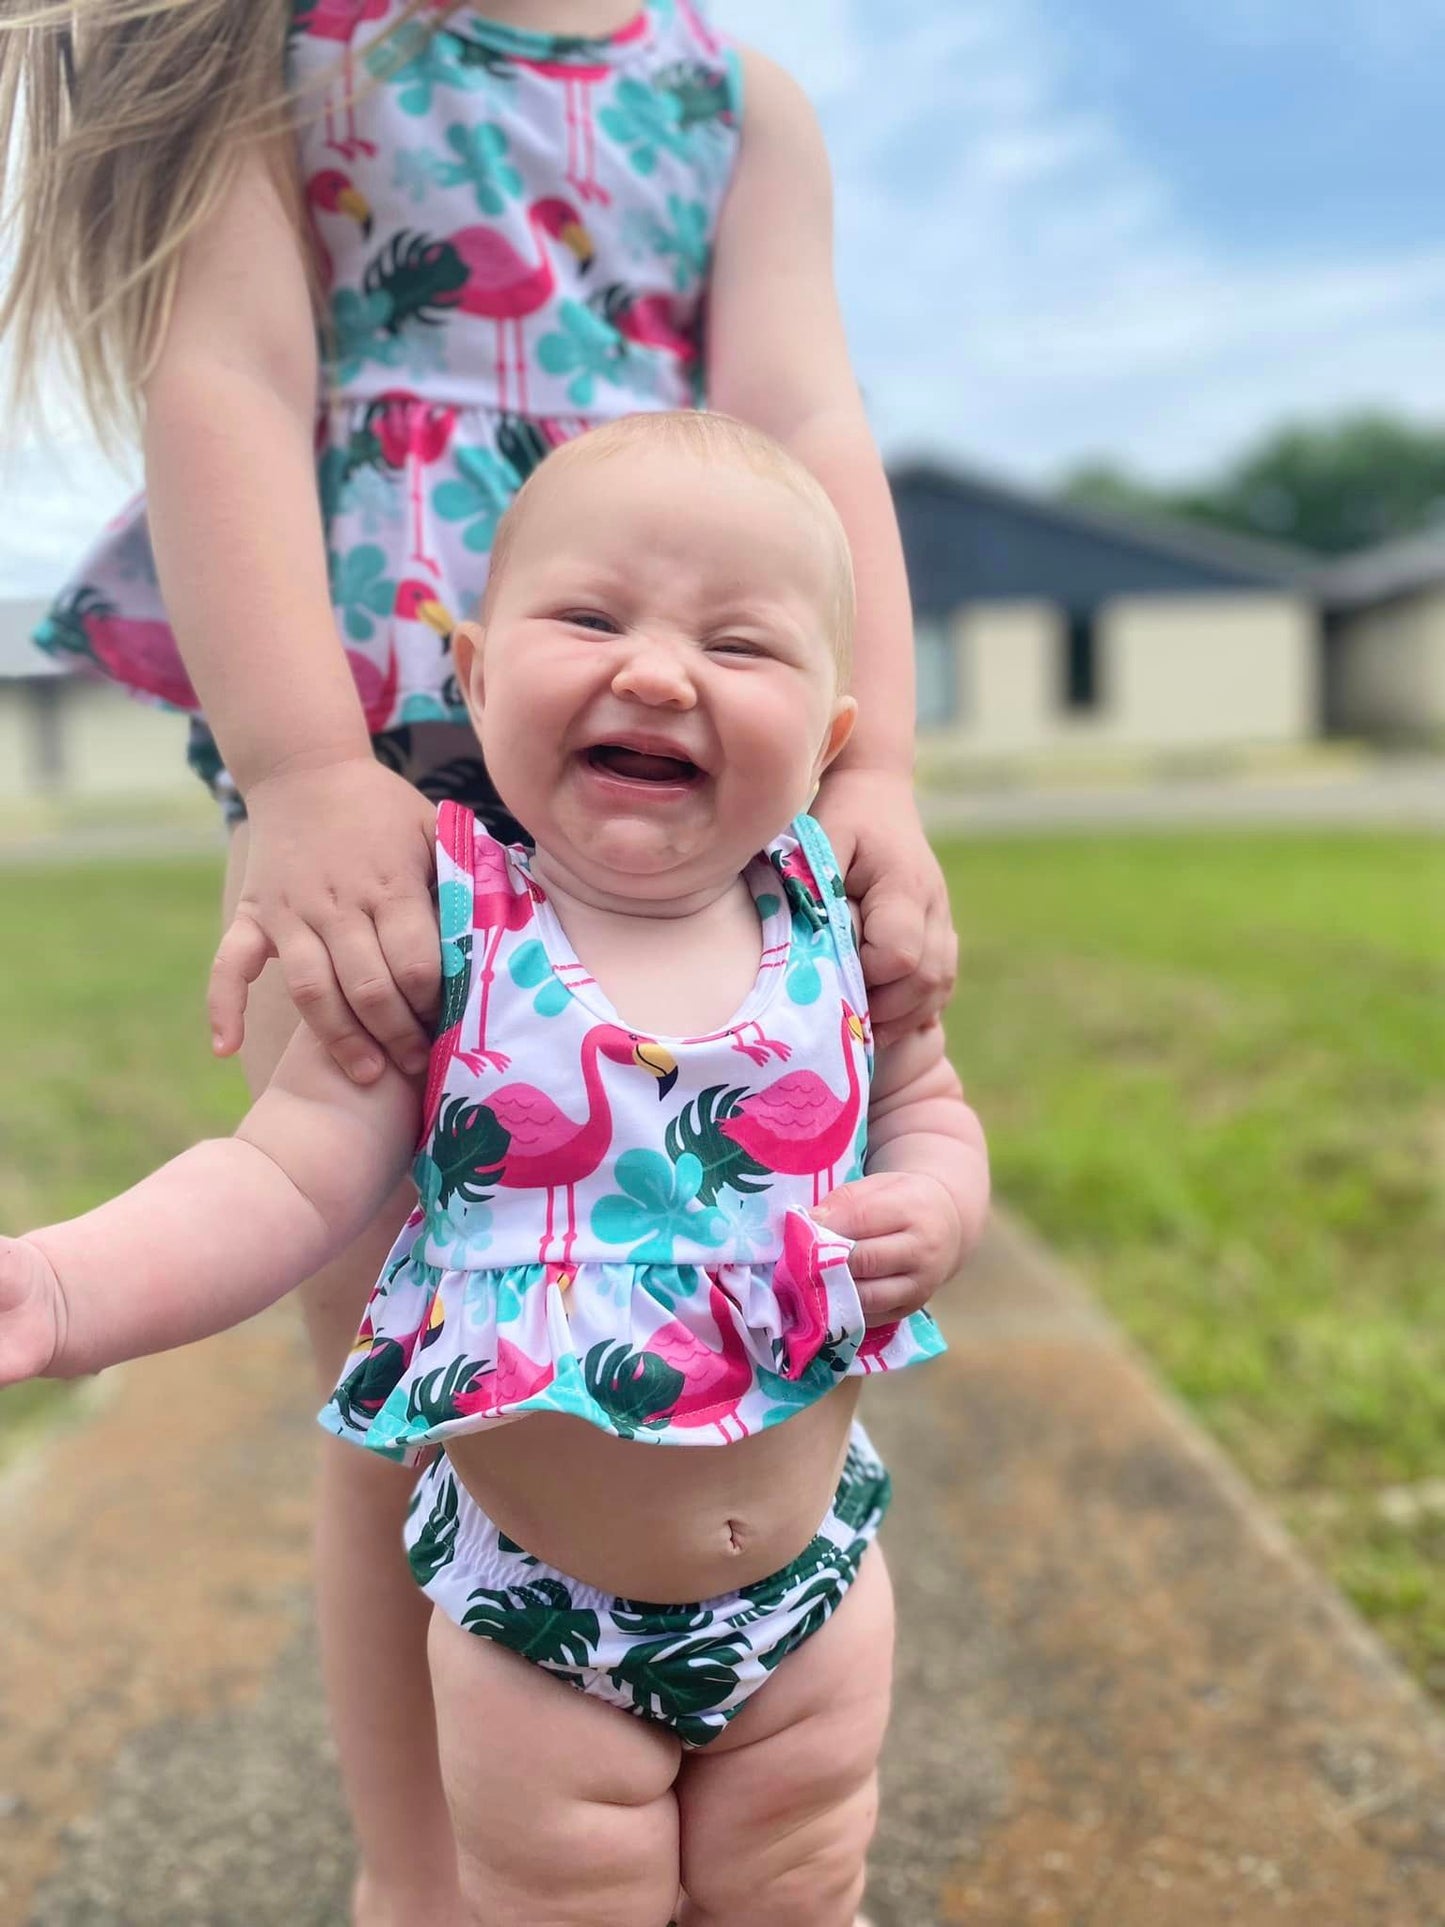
(122, 123)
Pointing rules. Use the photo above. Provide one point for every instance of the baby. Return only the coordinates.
(652, 1089)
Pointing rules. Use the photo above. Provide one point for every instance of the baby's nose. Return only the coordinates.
(657, 673)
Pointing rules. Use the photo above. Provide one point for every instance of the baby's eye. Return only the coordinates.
(592, 619)
(736, 646)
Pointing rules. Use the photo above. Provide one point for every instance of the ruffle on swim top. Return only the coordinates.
(665, 1354)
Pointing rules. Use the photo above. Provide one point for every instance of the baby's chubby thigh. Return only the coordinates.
(563, 1806)
(777, 1814)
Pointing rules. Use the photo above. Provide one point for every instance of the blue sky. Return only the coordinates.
(1140, 229)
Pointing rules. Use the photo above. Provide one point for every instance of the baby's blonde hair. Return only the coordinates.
(713, 439)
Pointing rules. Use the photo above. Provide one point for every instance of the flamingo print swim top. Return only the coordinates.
(616, 1225)
(514, 232)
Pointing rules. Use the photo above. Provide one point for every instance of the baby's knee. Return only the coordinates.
(579, 1864)
(791, 1872)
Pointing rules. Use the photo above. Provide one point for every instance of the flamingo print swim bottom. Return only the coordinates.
(689, 1667)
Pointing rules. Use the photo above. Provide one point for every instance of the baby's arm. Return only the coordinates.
(919, 1210)
(215, 1235)
(778, 357)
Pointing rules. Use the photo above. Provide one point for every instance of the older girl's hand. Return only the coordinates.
(338, 888)
(909, 949)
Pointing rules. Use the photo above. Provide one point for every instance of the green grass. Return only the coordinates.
(103, 1042)
(1212, 1070)
(1213, 1073)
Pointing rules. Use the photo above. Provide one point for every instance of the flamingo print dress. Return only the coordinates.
(514, 231)
(616, 1225)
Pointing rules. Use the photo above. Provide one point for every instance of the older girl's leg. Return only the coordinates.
(372, 1617)
(563, 1806)
(777, 1814)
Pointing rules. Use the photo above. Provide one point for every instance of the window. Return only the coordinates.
(937, 675)
(1080, 681)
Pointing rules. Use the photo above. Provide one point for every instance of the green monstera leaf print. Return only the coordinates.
(675, 1679)
(361, 589)
(469, 1149)
(537, 1620)
(434, 1545)
(661, 1206)
(637, 1390)
(368, 1385)
(695, 1132)
(434, 1395)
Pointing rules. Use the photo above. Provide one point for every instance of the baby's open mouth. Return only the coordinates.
(641, 766)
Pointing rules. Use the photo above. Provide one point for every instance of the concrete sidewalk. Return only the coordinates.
(1123, 1698)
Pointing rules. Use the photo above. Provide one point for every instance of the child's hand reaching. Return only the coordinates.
(338, 883)
(909, 950)
(30, 1312)
(908, 1238)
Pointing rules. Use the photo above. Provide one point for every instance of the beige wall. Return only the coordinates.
(1390, 667)
(111, 745)
(1176, 673)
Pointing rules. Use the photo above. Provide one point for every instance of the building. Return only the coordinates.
(1044, 629)
(1384, 641)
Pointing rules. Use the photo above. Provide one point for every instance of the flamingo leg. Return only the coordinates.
(547, 1234)
(521, 341)
(571, 1238)
(595, 191)
(354, 141)
(501, 328)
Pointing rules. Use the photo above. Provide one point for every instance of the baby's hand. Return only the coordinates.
(337, 888)
(909, 950)
(908, 1239)
(31, 1306)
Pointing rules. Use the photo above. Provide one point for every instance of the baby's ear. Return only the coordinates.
(839, 730)
(466, 646)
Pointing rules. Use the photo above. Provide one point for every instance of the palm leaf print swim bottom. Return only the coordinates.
(690, 1667)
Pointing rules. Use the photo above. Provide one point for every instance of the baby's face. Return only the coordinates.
(656, 688)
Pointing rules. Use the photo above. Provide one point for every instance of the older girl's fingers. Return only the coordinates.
(367, 984)
(312, 986)
(407, 931)
(893, 934)
(241, 956)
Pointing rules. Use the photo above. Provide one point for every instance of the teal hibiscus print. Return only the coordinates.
(748, 1217)
(359, 324)
(485, 484)
(590, 350)
(660, 1206)
(479, 161)
(804, 984)
(529, 969)
(418, 58)
(646, 122)
(684, 242)
(361, 589)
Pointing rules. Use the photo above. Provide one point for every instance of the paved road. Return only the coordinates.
(1409, 794)
(1123, 1699)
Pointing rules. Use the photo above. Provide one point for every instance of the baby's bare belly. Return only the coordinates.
(659, 1522)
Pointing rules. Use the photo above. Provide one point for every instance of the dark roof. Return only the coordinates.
(1384, 573)
(969, 538)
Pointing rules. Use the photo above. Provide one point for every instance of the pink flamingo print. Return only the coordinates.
(578, 82)
(514, 1378)
(503, 287)
(496, 908)
(418, 602)
(553, 1152)
(410, 435)
(376, 688)
(762, 1047)
(332, 192)
(141, 653)
(338, 20)
(701, 31)
(797, 1125)
(657, 321)
(717, 1378)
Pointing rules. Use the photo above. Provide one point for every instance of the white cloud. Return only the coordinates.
(1022, 288)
